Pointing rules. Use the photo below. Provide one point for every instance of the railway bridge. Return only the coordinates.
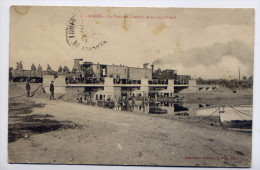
(111, 89)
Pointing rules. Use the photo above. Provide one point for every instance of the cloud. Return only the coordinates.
(210, 57)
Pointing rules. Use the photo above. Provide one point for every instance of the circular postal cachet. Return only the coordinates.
(78, 36)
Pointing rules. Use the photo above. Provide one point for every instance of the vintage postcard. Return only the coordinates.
(131, 86)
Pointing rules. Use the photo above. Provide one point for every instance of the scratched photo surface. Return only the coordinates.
(131, 86)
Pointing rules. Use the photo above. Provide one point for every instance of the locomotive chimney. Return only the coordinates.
(77, 64)
(152, 66)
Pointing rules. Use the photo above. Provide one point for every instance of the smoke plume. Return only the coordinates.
(210, 57)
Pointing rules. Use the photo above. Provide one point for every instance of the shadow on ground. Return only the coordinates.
(23, 124)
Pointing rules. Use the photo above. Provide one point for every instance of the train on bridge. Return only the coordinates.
(110, 82)
(91, 73)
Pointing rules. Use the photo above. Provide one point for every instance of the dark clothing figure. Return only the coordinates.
(49, 67)
(60, 69)
(66, 69)
(52, 91)
(28, 88)
(33, 68)
(39, 68)
(19, 66)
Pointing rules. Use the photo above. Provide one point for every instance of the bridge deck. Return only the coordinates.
(124, 85)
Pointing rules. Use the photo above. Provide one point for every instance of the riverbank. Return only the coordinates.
(103, 136)
(221, 97)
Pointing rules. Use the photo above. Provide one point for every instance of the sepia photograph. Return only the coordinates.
(143, 86)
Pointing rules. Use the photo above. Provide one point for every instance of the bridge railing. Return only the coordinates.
(126, 81)
(101, 80)
(71, 80)
(156, 81)
(178, 82)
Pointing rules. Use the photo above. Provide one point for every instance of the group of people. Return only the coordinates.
(124, 103)
(28, 88)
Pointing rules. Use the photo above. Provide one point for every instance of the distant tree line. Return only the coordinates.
(245, 82)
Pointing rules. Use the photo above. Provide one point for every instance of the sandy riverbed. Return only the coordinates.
(82, 134)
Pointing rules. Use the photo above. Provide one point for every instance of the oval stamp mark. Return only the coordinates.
(80, 37)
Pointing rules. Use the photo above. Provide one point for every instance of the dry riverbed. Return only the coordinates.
(43, 131)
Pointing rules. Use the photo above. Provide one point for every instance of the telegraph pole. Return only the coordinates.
(238, 73)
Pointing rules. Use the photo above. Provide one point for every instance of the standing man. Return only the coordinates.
(28, 88)
(52, 90)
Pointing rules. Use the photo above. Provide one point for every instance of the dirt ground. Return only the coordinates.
(70, 133)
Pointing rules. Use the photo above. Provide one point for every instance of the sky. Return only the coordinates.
(207, 43)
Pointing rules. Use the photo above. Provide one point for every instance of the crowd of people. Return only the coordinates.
(123, 103)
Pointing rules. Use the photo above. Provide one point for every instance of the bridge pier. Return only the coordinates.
(192, 86)
(142, 88)
(169, 91)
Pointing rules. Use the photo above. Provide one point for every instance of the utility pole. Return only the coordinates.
(238, 73)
